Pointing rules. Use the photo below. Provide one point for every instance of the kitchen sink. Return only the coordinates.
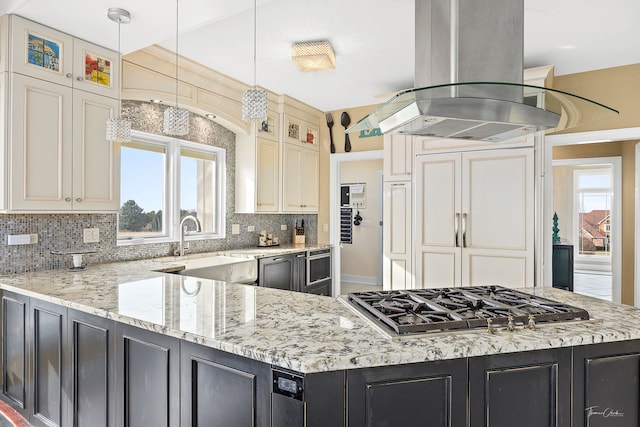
(218, 267)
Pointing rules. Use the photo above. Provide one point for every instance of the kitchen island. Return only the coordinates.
(117, 344)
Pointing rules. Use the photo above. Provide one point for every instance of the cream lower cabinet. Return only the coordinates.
(300, 176)
(397, 271)
(58, 155)
(474, 218)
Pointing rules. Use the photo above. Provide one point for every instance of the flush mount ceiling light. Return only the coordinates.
(176, 119)
(313, 56)
(118, 129)
(254, 100)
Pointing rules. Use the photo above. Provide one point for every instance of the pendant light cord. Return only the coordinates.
(120, 70)
(177, 11)
(255, 40)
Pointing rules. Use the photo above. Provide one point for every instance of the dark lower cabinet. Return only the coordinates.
(15, 351)
(219, 389)
(61, 367)
(529, 389)
(299, 271)
(148, 375)
(606, 389)
(91, 353)
(276, 272)
(431, 394)
(49, 373)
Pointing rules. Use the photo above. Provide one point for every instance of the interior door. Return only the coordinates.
(438, 207)
(497, 217)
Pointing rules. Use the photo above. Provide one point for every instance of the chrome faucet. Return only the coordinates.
(183, 229)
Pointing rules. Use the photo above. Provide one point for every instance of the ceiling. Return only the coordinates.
(373, 39)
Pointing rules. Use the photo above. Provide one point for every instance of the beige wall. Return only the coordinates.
(626, 150)
(357, 144)
(361, 257)
(616, 87)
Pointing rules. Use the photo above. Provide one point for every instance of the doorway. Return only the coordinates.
(587, 205)
(339, 163)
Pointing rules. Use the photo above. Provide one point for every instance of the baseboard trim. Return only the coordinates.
(361, 280)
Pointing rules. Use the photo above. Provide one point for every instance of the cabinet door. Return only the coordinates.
(299, 272)
(96, 171)
(220, 389)
(267, 175)
(398, 157)
(276, 272)
(91, 348)
(41, 52)
(300, 178)
(292, 179)
(497, 210)
(40, 145)
(49, 376)
(605, 384)
(95, 69)
(310, 178)
(523, 389)
(438, 233)
(148, 366)
(397, 266)
(432, 394)
(15, 385)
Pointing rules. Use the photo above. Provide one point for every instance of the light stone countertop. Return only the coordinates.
(303, 332)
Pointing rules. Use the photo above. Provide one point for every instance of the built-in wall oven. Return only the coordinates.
(319, 279)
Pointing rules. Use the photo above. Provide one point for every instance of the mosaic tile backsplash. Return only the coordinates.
(65, 231)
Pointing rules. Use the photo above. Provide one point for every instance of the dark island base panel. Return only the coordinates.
(61, 367)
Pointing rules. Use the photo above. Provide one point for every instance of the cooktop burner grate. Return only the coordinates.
(424, 310)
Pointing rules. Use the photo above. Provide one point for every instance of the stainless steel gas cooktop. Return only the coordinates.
(444, 309)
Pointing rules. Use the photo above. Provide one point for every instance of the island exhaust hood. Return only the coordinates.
(468, 78)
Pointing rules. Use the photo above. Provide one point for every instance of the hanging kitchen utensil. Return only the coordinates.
(357, 220)
(330, 125)
(346, 121)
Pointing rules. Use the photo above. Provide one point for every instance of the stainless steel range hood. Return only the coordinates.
(468, 77)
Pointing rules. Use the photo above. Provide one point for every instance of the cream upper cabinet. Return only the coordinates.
(267, 175)
(298, 131)
(59, 95)
(397, 268)
(300, 172)
(51, 55)
(96, 161)
(475, 218)
(257, 180)
(398, 157)
(40, 153)
(59, 158)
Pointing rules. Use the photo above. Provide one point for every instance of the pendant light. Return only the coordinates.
(119, 129)
(176, 119)
(254, 100)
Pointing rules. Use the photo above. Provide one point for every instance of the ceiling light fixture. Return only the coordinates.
(176, 119)
(313, 56)
(254, 100)
(118, 129)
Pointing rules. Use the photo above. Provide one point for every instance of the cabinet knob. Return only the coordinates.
(68, 75)
(79, 78)
(78, 199)
(67, 199)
